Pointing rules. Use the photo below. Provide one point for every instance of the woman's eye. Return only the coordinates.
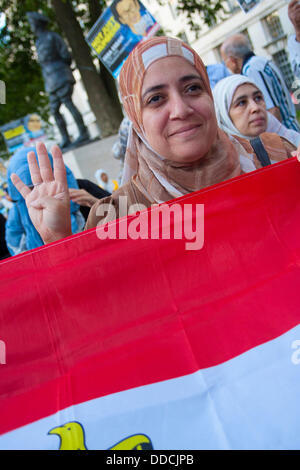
(154, 99)
(241, 103)
(259, 98)
(194, 88)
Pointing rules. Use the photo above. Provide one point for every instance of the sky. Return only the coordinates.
(2, 20)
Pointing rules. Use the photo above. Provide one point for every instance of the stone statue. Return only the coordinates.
(55, 60)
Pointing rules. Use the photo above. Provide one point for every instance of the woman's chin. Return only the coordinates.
(188, 154)
(256, 131)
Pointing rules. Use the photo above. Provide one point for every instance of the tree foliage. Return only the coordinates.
(209, 11)
(107, 112)
(19, 68)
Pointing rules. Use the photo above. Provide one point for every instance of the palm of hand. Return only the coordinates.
(48, 202)
(49, 208)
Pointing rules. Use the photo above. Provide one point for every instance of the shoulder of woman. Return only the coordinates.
(108, 209)
(100, 212)
(288, 146)
(277, 146)
(243, 142)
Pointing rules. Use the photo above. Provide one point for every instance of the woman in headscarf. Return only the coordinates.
(104, 181)
(241, 110)
(175, 145)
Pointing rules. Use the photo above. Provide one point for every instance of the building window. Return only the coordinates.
(281, 60)
(172, 7)
(218, 53)
(232, 5)
(245, 33)
(273, 26)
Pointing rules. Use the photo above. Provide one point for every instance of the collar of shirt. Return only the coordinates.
(247, 57)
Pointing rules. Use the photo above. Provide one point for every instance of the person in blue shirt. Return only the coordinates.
(217, 72)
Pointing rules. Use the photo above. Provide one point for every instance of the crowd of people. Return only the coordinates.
(178, 135)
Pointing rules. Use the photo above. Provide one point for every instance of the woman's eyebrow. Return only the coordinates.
(240, 97)
(243, 97)
(185, 78)
(153, 88)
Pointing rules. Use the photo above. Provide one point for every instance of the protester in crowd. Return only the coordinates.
(175, 146)
(216, 72)
(241, 110)
(239, 58)
(20, 233)
(294, 39)
(119, 147)
(105, 182)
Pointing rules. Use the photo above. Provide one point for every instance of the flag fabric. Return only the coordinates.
(143, 344)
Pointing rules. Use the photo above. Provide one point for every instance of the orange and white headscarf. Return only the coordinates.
(156, 177)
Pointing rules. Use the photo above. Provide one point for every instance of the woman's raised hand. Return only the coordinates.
(48, 203)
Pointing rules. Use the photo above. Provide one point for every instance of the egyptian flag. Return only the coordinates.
(145, 344)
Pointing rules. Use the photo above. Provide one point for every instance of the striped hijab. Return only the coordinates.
(156, 177)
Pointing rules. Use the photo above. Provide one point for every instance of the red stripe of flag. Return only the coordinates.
(85, 317)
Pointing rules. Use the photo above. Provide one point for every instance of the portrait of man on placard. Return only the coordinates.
(133, 14)
(34, 129)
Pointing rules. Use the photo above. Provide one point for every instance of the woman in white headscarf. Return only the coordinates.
(241, 110)
(104, 181)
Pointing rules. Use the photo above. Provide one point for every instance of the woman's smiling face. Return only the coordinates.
(177, 112)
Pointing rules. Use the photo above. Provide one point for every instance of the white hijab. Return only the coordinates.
(223, 94)
(109, 186)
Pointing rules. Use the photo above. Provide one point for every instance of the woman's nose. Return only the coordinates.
(254, 106)
(179, 107)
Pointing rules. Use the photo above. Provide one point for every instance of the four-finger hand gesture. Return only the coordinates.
(48, 203)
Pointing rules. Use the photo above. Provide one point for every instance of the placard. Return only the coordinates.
(118, 30)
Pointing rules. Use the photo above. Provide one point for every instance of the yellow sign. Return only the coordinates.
(105, 35)
(14, 132)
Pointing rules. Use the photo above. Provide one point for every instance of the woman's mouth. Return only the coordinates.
(258, 121)
(185, 131)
